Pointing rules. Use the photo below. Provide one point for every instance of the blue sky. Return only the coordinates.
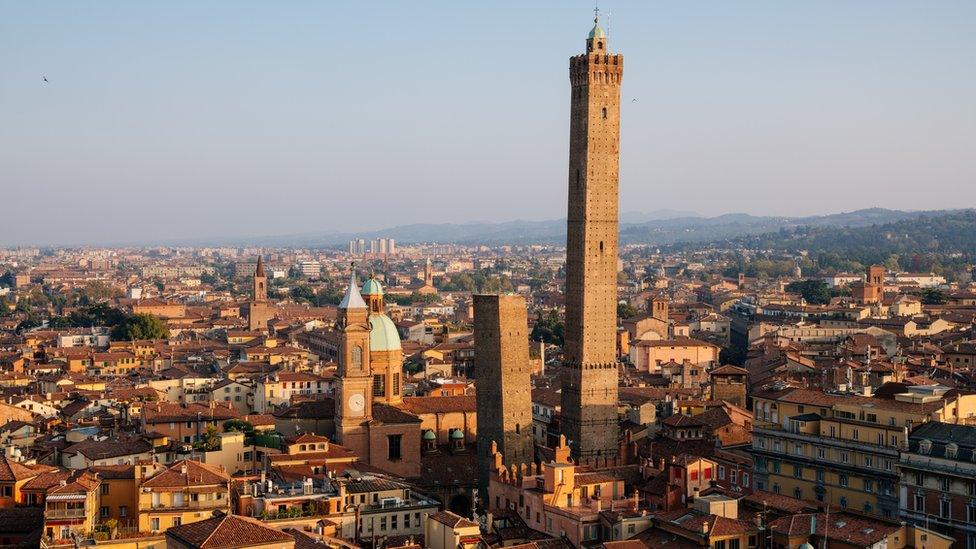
(193, 119)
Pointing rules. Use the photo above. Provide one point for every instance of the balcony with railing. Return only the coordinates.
(775, 430)
(414, 500)
(188, 505)
(928, 463)
(64, 514)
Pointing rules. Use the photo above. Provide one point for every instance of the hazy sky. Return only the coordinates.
(193, 119)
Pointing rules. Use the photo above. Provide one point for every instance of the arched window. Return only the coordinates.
(357, 356)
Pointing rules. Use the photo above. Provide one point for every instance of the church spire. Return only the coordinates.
(353, 299)
(259, 292)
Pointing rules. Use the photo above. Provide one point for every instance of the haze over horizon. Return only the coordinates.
(193, 120)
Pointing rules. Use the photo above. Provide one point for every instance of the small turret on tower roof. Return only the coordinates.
(597, 31)
(596, 41)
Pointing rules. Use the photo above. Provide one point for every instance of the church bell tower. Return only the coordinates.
(354, 401)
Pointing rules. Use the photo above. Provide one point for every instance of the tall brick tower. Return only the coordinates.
(258, 310)
(353, 400)
(259, 291)
(589, 384)
(504, 397)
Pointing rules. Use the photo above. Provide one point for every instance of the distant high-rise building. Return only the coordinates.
(360, 246)
(382, 246)
(589, 386)
(504, 396)
(377, 246)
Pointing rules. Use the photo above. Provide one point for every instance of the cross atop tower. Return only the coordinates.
(596, 41)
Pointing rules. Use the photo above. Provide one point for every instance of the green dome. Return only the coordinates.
(429, 435)
(597, 32)
(372, 287)
(457, 434)
(383, 335)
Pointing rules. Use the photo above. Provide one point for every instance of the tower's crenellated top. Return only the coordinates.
(597, 65)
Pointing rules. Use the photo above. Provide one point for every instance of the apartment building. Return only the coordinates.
(938, 480)
(843, 448)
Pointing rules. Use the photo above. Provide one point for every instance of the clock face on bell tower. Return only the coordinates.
(356, 403)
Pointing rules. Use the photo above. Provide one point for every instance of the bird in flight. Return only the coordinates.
(634, 100)
(45, 78)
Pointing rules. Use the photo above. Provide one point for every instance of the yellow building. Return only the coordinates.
(843, 448)
(186, 491)
(118, 494)
(71, 508)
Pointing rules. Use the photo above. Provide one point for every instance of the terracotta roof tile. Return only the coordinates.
(227, 531)
(188, 473)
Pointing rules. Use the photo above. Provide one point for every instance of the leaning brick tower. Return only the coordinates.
(589, 385)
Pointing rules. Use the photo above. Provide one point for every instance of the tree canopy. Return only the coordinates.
(815, 292)
(140, 326)
(549, 328)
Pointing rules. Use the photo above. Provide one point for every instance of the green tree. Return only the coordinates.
(97, 291)
(209, 441)
(626, 310)
(934, 296)
(423, 298)
(32, 321)
(549, 328)
(303, 293)
(58, 323)
(140, 326)
(239, 426)
(815, 292)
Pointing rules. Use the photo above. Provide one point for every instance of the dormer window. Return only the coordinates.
(952, 450)
(925, 446)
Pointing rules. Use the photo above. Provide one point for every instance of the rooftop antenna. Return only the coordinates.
(609, 25)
